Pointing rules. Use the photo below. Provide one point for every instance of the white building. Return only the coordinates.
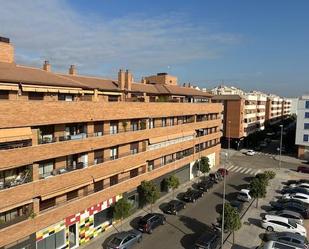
(302, 127)
(294, 105)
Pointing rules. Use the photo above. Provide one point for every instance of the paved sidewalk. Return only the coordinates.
(97, 242)
(249, 236)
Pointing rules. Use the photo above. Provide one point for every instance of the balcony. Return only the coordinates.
(14, 177)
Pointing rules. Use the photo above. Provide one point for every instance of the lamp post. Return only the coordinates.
(280, 150)
(227, 157)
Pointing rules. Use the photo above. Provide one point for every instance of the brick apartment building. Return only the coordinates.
(246, 113)
(71, 146)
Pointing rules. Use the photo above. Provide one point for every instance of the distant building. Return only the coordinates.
(302, 127)
(294, 105)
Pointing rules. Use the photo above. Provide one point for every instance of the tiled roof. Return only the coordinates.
(227, 97)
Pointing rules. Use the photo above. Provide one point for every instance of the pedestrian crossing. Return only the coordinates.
(243, 170)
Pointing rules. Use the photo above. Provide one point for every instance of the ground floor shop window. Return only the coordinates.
(54, 241)
(103, 216)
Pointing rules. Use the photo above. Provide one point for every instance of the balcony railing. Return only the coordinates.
(15, 144)
(17, 179)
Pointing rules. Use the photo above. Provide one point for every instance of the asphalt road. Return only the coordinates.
(182, 230)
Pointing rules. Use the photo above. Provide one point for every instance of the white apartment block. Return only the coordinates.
(302, 127)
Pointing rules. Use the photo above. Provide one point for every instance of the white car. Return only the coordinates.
(244, 195)
(273, 223)
(297, 196)
(250, 153)
(300, 185)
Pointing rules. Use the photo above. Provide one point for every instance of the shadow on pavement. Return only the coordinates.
(248, 178)
(255, 222)
(266, 208)
(239, 187)
(262, 236)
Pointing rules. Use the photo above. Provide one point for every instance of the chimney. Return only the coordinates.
(6, 50)
(72, 70)
(128, 80)
(46, 66)
(121, 79)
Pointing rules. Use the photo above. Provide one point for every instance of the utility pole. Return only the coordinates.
(280, 151)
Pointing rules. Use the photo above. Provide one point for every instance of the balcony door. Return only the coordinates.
(73, 236)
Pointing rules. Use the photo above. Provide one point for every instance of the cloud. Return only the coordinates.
(53, 30)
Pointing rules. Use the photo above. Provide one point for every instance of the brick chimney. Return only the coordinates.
(6, 50)
(72, 70)
(46, 66)
(128, 80)
(121, 79)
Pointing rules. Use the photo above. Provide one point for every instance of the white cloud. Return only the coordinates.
(52, 30)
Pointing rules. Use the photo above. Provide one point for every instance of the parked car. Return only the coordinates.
(151, 221)
(192, 195)
(223, 172)
(303, 169)
(205, 185)
(250, 153)
(295, 190)
(215, 177)
(290, 182)
(290, 215)
(267, 140)
(174, 206)
(273, 223)
(289, 238)
(276, 244)
(297, 196)
(300, 185)
(263, 144)
(298, 207)
(124, 240)
(239, 205)
(244, 195)
(208, 240)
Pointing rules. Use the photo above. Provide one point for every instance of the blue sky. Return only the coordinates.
(260, 45)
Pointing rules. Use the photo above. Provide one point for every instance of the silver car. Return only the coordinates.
(124, 240)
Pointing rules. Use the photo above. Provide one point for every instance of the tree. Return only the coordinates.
(122, 210)
(173, 183)
(149, 193)
(204, 165)
(232, 220)
(258, 189)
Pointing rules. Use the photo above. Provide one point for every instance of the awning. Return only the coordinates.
(156, 140)
(19, 204)
(8, 87)
(15, 134)
(110, 93)
(51, 89)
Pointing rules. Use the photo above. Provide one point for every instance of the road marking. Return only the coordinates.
(239, 169)
(257, 172)
(230, 168)
(247, 171)
(243, 170)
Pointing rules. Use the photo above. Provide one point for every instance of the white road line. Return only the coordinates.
(230, 168)
(247, 171)
(243, 170)
(258, 171)
(239, 169)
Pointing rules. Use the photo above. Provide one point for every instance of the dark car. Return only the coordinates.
(124, 240)
(215, 177)
(192, 195)
(288, 238)
(208, 240)
(295, 190)
(239, 205)
(205, 185)
(298, 207)
(303, 169)
(289, 182)
(174, 206)
(151, 221)
(223, 172)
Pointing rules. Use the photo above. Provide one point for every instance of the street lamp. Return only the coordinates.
(280, 151)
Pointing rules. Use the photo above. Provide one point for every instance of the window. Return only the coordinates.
(133, 173)
(151, 165)
(53, 241)
(134, 125)
(98, 186)
(134, 148)
(151, 123)
(114, 153)
(4, 94)
(102, 217)
(171, 121)
(113, 180)
(163, 122)
(46, 169)
(98, 156)
(306, 138)
(65, 97)
(307, 104)
(306, 114)
(112, 98)
(282, 246)
(113, 128)
(49, 203)
(306, 126)
(35, 96)
(72, 195)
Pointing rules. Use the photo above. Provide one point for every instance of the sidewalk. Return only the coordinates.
(97, 242)
(249, 235)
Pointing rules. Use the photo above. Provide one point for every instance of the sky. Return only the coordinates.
(255, 45)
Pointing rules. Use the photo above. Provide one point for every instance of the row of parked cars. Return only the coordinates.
(285, 220)
(148, 223)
